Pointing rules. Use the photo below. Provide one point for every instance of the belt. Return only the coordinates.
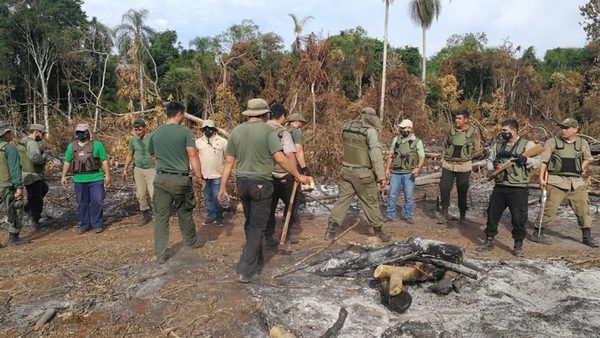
(170, 173)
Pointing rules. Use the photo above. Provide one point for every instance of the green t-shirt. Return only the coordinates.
(253, 145)
(169, 143)
(141, 155)
(99, 152)
(297, 135)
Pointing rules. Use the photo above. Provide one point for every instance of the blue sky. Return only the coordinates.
(545, 24)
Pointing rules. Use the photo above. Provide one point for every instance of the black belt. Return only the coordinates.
(170, 173)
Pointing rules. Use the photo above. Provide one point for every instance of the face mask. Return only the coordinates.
(208, 132)
(506, 135)
(82, 135)
(404, 133)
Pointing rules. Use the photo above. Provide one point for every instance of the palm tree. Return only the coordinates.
(422, 13)
(298, 26)
(133, 38)
(385, 44)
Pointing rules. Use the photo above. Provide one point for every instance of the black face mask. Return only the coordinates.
(404, 133)
(209, 132)
(82, 135)
(506, 135)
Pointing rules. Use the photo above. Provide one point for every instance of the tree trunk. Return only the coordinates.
(142, 98)
(314, 104)
(384, 66)
(424, 60)
(69, 102)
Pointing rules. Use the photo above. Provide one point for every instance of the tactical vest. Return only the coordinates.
(515, 176)
(4, 171)
(406, 157)
(276, 167)
(26, 164)
(567, 158)
(83, 158)
(459, 147)
(356, 146)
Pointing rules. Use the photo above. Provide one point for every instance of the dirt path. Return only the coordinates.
(107, 285)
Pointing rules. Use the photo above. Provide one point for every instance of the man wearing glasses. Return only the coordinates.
(406, 159)
(144, 171)
(566, 158)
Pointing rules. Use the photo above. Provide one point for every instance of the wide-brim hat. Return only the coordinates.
(569, 123)
(370, 119)
(256, 107)
(208, 124)
(296, 117)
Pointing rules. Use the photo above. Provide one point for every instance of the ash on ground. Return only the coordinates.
(531, 298)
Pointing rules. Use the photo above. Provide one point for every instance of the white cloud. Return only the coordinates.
(542, 23)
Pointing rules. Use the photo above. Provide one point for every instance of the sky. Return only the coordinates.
(544, 24)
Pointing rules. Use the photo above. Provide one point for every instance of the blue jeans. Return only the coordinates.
(211, 190)
(90, 197)
(405, 183)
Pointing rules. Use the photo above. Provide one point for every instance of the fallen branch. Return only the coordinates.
(289, 270)
(337, 326)
(448, 265)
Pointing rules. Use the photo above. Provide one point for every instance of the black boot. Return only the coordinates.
(463, 217)
(587, 238)
(380, 234)
(487, 245)
(330, 231)
(518, 249)
(270, 242)
(146, 217)
(13, 239)
(442, 216)
(538, 236)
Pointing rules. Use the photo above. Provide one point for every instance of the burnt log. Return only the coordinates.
(337, 326)
(400, 250)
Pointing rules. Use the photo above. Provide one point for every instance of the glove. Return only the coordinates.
(520, 160)
(304, 171)
(497, 164)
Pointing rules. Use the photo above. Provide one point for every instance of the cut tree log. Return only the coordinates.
(279, 332)
(400, 250)
(397, 276)
(449, 265)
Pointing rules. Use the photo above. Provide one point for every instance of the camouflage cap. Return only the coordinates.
(4, 128)
(37, 127)
(82, 127)
(296, 117)
(569, 123)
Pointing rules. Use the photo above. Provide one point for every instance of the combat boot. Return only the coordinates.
(381, 235)
(146, 217)
(330, 231)
(463, 217)
(442, 216)
(538, 236)
(270, 242)
(518, 249)
(13, 239)
(587, 238)
(487, 245)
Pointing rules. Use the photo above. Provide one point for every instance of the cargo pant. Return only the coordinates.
(12, 208)
(516, 200)
(256, 199)
(358, 182)
(282, 190)
(176, 190)
(144, 186)
(578, 200)
(36, 192)
(462, 187)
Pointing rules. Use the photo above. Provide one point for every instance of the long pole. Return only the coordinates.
(384, 68)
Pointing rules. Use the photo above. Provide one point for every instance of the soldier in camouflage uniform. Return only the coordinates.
(362, 172)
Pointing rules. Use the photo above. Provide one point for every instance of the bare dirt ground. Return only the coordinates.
(108, 285)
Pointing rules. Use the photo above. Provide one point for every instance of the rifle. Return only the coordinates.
(528, 153)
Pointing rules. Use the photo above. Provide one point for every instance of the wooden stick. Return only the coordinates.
(288, 217)
(286, 271)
